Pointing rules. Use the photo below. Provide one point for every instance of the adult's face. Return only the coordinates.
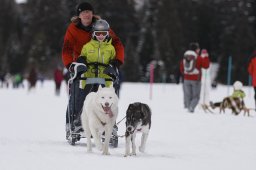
(86, 17)
(197, 51)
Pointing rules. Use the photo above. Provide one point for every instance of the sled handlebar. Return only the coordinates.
(114, 77)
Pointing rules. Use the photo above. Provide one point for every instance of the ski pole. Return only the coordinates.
(249, 85)
(151, 81)
(229, 73)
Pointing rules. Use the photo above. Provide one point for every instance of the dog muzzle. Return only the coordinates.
(107, 110)
(129, 128)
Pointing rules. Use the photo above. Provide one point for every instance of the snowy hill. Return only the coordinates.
(33, 137)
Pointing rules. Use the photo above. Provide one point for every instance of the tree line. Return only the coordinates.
(31, 33)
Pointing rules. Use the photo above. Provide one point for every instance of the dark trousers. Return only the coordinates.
(254, 93)
(76, 100)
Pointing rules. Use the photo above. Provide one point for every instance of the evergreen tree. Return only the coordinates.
(9, 38)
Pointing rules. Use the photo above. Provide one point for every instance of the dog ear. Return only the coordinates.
(144, 110)
(129, 107)
(100, 87)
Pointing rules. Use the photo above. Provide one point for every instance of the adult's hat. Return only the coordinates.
(84, 6)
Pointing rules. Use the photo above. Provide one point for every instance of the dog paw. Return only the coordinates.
(127, 154)
(142, 149)
(105, 153)
(100, 147)
(89, 150)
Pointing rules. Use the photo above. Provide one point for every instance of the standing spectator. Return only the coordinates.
(41, 78)
(205, 83)
(18, 81)
(252, 72)
(79, 32)
(190, 67)
(2, 78)
(32, 78)
(58, 77)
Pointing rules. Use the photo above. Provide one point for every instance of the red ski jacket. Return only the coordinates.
(74, 40)
(252, 70)
(58, 76)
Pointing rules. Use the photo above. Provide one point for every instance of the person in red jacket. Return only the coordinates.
(78, 33)
(252, 72)
(58, 77)
(190, 67)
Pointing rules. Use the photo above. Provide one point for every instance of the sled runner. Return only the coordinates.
(206, 108)
(74, 131)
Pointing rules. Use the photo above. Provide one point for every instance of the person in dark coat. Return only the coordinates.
(58, 77)
(32, 78)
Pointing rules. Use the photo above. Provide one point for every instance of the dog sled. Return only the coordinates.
(74, 131)
(236, 106)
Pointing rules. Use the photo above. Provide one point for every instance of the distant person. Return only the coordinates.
(2, 78)
(32, 78)
(18, 81)
(205, 83)
(190, 67)
(58, 77)
(252, 72)
(8, 79)
(41, 78)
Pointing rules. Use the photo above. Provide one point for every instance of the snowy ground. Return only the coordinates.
(32, 135)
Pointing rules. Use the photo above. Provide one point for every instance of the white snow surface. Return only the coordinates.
(32, 133)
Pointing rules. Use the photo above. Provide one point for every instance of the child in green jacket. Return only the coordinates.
(98, 52)
(237, 93)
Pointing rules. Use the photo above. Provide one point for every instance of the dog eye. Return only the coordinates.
(110, 97)
(102, 97)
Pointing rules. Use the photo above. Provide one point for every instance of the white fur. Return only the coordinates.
(93, 117)
(131, 138)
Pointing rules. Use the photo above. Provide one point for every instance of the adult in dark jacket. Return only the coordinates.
(32, 78)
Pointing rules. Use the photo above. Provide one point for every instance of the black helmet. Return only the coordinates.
(100, 25)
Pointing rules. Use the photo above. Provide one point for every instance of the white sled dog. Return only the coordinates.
(99, 114)
(138, 119)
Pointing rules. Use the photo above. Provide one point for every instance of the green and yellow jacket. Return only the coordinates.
(98, 52)
(238, 93)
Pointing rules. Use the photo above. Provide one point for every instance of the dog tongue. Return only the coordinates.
(108, 111)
